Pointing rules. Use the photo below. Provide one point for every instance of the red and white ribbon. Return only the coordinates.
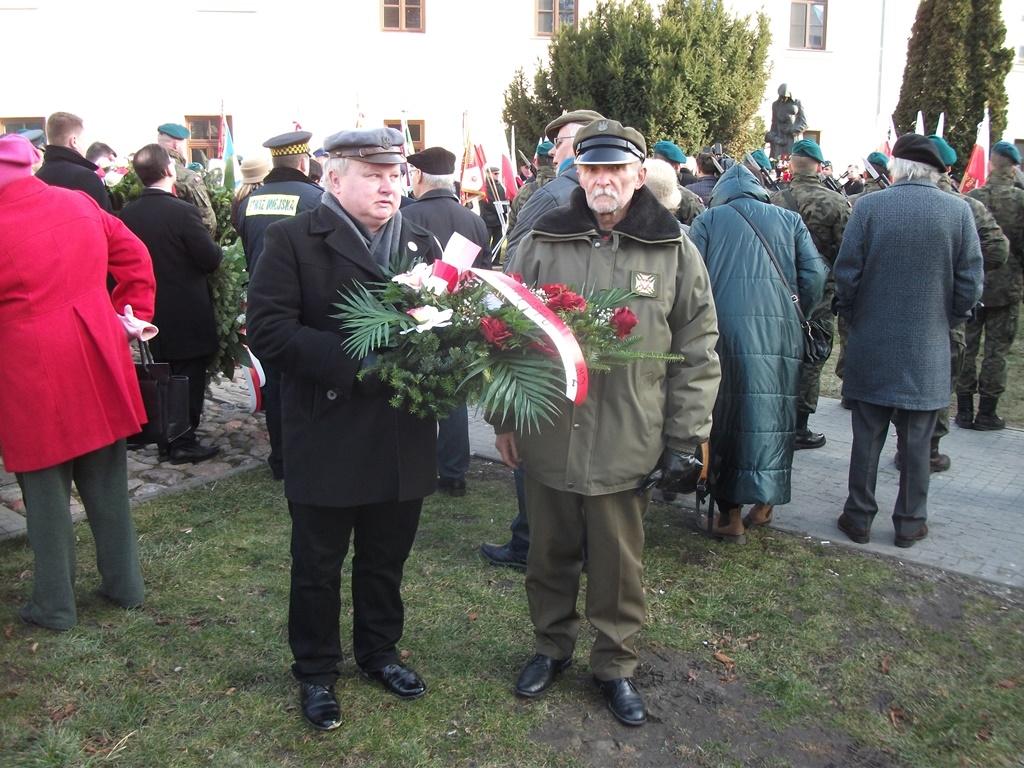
(518, 295)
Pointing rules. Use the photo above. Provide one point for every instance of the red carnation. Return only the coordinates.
(567, 301)
(495, 331)
(623, 321)
(554, 289)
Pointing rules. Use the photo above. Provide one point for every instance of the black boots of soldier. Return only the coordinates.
(805, 438)
(986, 420)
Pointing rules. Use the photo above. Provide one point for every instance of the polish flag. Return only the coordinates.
(976, 173)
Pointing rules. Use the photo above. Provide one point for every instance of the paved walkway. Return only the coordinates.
(976, 509)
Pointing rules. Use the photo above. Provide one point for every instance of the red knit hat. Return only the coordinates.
(17, 156)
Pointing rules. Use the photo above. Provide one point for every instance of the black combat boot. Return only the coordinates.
(987, 418)
(804, 437)
(938, 462)
(965, 411)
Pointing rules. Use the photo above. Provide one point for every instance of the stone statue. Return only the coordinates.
(788, 123)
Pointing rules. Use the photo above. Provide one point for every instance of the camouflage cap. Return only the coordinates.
(808, 148)
(946, 152)
(608, 142)
(1006, 149)
(581, 116)
(174, 130)
(374, 145)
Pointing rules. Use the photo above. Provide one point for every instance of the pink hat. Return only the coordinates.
(17, 156)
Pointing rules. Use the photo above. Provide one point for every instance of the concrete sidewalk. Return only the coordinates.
(975, 509)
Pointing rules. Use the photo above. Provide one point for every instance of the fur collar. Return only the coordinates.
(647, 219)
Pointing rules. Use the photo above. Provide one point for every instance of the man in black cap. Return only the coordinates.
(555, 193)
(584, 471)
(188, 185)
(64, 162)
(437, 208)
(286, 192)
(910, 268)
(354, 465)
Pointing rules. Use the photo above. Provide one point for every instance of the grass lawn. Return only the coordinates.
(833, 657)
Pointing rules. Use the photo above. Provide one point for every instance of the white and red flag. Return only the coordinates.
(976, 173)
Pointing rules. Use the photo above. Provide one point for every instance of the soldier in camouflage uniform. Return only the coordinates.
(880, 164)
(188, 185)
(994, 251)
(825, 213)
(1004, 288)
(546, 171)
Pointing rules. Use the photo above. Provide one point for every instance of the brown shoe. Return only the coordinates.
(857, 535)
(760, 514)
(905, 542)
(727, 527)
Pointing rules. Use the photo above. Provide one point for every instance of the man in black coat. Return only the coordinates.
(286, 192)
(183, 255)
(437, 208)
(353, 464)
(64, 163)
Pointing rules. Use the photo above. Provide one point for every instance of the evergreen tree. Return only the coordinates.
(693, 74)
(956, 63)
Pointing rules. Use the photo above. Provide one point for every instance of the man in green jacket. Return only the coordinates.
(583, 471)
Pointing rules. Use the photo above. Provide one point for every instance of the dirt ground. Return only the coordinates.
(691, 703)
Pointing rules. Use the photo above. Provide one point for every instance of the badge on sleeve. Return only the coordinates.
(646, 284)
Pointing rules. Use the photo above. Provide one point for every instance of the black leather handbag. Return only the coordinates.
(166, 400)
(817, 338)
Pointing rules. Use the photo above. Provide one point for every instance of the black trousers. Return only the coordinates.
(382, 536)
(272, 410)
(195, 369)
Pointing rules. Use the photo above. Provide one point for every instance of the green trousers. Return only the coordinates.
(101, 478)
(612, 526)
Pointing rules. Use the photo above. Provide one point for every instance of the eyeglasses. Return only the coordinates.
(559, 139)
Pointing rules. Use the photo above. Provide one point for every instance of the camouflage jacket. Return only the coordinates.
(995, 248)
(188, 186)
(690, 206)
(824, 212)
(544, 175)
(1004, 286)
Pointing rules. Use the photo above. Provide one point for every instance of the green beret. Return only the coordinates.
(761, 159)
(669, 151)
(808, 148)
(1007, 149)
(608, 142)
(173, 130)
(946, 152)
(544, 149)
(877, 158)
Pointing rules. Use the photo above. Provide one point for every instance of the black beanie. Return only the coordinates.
(920, 149)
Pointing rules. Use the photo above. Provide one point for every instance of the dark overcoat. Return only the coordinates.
(441, 212)
(183, 254)
(343, 447)
(63, 167)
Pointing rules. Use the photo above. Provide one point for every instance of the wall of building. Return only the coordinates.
(130, 66)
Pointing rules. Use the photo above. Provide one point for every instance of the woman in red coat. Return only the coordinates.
(68, 392)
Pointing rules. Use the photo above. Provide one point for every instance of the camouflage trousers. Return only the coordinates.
(956, 361)
(810, 373)
(999, 325)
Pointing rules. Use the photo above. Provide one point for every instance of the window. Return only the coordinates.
(814, 136)
(15, 124)
(807, 24)
(550, 18)
(401, 15)
(416, 131)
(204, 140)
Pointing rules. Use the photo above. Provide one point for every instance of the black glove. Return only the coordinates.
(676, 472)
(368, 383)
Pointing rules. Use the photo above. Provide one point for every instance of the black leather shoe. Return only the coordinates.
(857, 535)
(193, 453)
(624, 700)
(807, 439)
(319, 706)
(454, 487)
(539, 674)
(399, 679)
(502, 554)
(905, 542)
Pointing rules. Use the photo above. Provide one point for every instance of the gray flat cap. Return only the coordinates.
(375, 145)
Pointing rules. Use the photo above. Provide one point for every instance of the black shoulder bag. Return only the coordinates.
(817, 338)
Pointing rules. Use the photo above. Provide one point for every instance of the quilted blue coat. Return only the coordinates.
(760, 343)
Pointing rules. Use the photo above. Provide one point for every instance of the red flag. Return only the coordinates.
(976, 173)
(509, 177)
